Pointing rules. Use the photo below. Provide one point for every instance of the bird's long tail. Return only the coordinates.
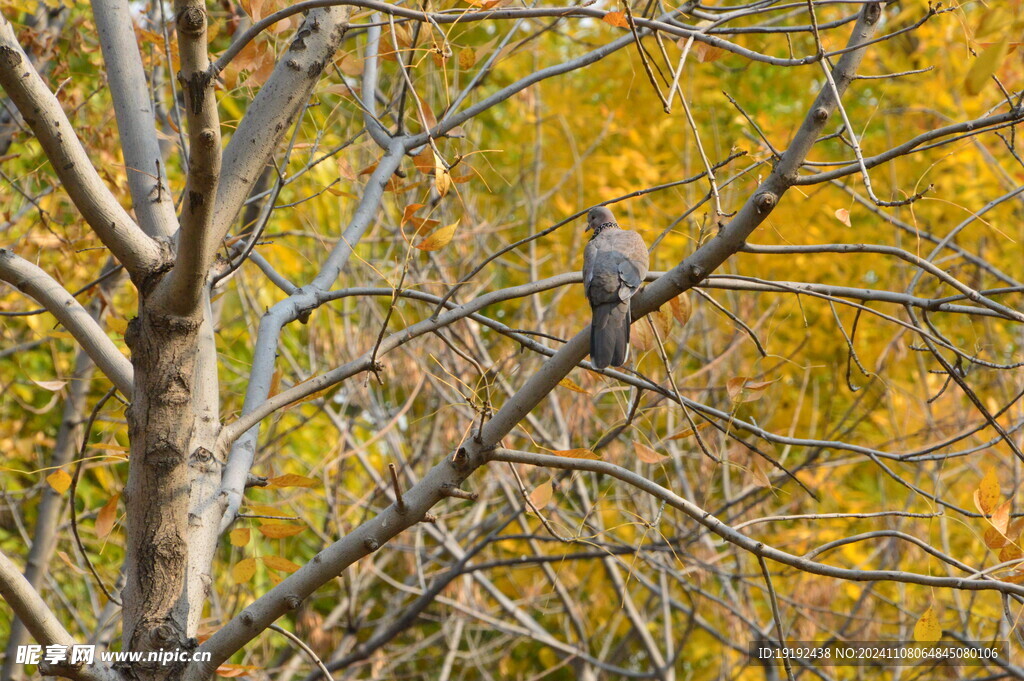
(609, 334)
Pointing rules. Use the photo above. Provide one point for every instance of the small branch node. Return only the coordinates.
(399, 501)
(449, 490)
(765, 201)
(461, 458)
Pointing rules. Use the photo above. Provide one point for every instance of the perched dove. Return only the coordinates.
(615, 263)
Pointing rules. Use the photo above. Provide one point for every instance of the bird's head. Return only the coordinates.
(598, 218)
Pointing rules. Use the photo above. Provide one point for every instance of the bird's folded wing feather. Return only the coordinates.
(614, 265)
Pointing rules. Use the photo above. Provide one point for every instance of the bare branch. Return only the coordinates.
(34, 282)
(44, 626)
(180, 292)
(267, 118)
(136, 122)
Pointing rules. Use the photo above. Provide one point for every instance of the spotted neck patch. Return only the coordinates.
(601, 227)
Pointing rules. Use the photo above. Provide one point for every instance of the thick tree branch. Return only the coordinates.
(44, 626)
(34, 282)
(182, 289)
(136, 123)
(41, 110)
(274, 110)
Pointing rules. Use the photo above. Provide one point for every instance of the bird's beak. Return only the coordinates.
(587, 228)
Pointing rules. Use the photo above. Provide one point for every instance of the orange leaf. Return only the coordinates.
(743, 389)
(575, 453)
(689, 431)
(681, 308)
(567, 383)
(279, 563)
(708, 53)
(541, 495)
(409, 210)
(279, 531)
(424, 161)
(423, 225)
(291, 480)
(646, 454)
(231, 671)
(1001, 517)
(106, 517)
(994, 539)
(616, 19)
(843, 216)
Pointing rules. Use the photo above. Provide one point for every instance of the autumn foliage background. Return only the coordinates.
(542, 156)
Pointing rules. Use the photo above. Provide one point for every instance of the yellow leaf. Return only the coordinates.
(239, 536)
(992, 20)
(541, 495)
(681, 308)
(109, 447)
(567, 383)
(843, 216)
(106, 517)
(743, 389)
(990, 59)
(616, 19)
(439, 238)
(279, 531)
(1010, 552)
(292, 481)
(646, 454)
(59, 481)
(467, 58)
(987, 494)
(243, 570)
(279, 563)
(117, 325)
(575, 453)
(442, 180)
(927, 629)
